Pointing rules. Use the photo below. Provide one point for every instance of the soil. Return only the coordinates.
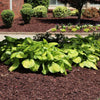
(79, 84)
(44, 24)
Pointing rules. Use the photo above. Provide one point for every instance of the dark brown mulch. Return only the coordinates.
(79, 84)
(44, 24)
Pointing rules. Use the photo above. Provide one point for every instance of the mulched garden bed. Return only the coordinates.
(79, 84)
(44, 24)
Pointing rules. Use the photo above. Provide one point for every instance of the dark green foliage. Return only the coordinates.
(35, 3)
(40, 11)
(60, 11)
(26, 14)
(27, 5)
(7, 17)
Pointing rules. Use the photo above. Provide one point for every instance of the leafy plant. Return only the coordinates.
(36, 3)
(7, 17)
(83, 52)
(86, 29)
(27, 5)
(53, 30)
(26, 14)
(74, 29)
(63, 30)
(40, 11)
(60, 11)
(34, 55)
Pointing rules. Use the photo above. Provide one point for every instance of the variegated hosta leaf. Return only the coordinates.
(28, 63)
(54, 68)
(88, 64)
(15, 65)
(72, 53)
(93, 58)
(35, 67)
(77, 60)
(19, 54)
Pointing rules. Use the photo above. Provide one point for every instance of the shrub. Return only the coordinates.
(36, 3)
(26, 14)
(91, 12)
(74, 12)
(60, 11)
(63, 30)
(86, 30)
(27, 5)
(74, 29)
(40, 11)
(7, 17)
(53, 29)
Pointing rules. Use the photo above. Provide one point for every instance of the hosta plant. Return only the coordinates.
(34, 55)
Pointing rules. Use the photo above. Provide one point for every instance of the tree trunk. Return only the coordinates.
(79, 15)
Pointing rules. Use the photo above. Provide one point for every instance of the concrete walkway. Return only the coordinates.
(31, 34)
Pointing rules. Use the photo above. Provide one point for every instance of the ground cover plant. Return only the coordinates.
(75, 28)
(46, 57)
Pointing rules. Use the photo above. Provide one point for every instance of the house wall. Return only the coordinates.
(16, 7)
(4, 4)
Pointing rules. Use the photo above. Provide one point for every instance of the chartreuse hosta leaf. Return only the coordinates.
(35, 67)
(77, 60)
(88, 64)
(54, 68)
(93, 58)
(72, 53)
(15, 65)
(28, 63)
(18, 54)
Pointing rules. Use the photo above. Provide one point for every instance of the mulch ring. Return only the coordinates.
(44, 24)
(79, 84)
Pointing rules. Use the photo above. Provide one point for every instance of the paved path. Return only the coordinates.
(31, 34)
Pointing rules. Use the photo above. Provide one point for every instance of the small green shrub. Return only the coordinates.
(26, 14)
(74, 29)
(60, 11)
(74, 12)
(36, 3)
(7, 17)
(86, 30)
(27, 5)
(53, 29)
(40, 11)
(63, 30)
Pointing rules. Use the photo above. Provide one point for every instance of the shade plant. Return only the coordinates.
(33, 55)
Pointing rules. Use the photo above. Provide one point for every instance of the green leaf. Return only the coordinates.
(92, 58)
(88, 64)
(54, 68)
(45, 69)
(10, 39)
(66, 62)
(19, 54)
(15, 65)
(35, 67)
(49, 56)
(28, 63)
(72, 53)
(77, 60)
(3, 57)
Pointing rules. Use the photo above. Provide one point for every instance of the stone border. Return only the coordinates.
(31, 34)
